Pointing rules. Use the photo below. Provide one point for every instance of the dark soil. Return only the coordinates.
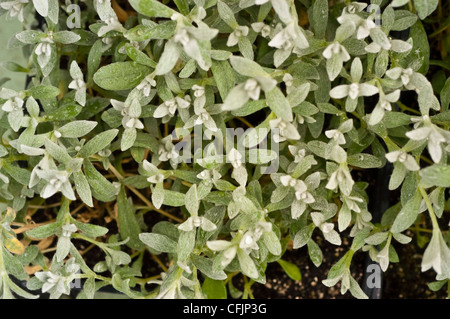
(280, 286)
(402, 280)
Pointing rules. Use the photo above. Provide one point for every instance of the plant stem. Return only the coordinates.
(143, 198)
(430, 207)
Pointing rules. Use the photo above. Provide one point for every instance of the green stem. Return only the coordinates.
(430, 207)
(92, 241)
(403, 107)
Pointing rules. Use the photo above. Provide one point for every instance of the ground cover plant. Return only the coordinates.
(208, 137)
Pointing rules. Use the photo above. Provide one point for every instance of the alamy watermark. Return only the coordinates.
(374, 276)
(73, 20)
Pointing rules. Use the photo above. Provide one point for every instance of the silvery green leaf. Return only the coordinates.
(425, 7)
(358, 240)
(236, 98)
(80, 97)
(41, 7)
(93, 61)
(186, 243)
(344, 218)
(247, 67)
(427, 100)
(247, 264)
(366, 89)
(159, 242)
(89, 288)
(272, 242)
(402, 239)
(345, 31)
(279, 104)
(334, 66)
(400, 46)
(118, 257)
(102, 189)
(381, 63)
(240, 175)
(220, 55)
(226, 14)
(339, 155)
(332, 237)
(377, 238)
(43, 92)
(168, 58)
(77, 129)
(380, 38)
(12, 266)
(191, 200)
(261, 156)
(45, 230)
(399, 3)
(364, 160)
(91, 230)
(279, 194)
(224, 77)
(57, 152)
(408, 214)
(320, 18)
(53, 11)
(388, 18)
(445, 95)
(19, 174)
(188, 69)
(254, 136)
(20, 292)
(303, 236)
(281, 7)
(66, 37)
(174, 199)
(138, 56)
(15, 120)
(62, 248)
(315, 253)
(128, 138)
(356, 290)
(356, 70)
(436, 175)
(30, 36)
(152, 8)
(98, 143)
(121, 75)
(280, 56)
(397, 176)
(205, 265)
(419, 56)
(128, 225)
(299, 94)
(245, 47)
(403, 20)
(158, 195)
(83, 188)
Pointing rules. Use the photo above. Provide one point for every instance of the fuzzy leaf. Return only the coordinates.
(98, 142)
(279, 104)
(77, 129)
(152, 8)
(126, 220)
(121, 75)
(408, 214)
(159, 242)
